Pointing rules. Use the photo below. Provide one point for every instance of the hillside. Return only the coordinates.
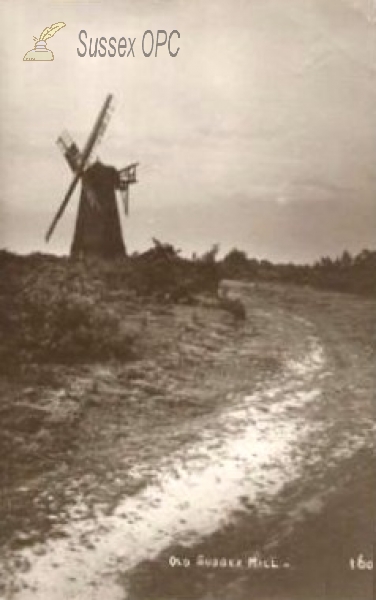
(144, 417)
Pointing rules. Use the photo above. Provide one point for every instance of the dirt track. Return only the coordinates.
(225, 439)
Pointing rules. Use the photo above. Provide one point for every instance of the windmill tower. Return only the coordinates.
(98, 229)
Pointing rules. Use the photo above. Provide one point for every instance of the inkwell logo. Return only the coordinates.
(40, 51)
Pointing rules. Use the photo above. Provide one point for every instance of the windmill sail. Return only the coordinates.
(70, 150)
(125, 199)
(97, 130)
(126, 177)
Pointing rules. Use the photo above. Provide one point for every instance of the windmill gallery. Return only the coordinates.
(98, 228)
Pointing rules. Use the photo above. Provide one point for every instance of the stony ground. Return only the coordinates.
(225, 440)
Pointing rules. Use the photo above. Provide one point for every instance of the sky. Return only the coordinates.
(260, 134)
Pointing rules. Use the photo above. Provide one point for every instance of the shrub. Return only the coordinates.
(44, 325)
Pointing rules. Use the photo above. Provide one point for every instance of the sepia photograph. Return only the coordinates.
(187, 299)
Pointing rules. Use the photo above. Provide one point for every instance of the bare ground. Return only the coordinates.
(224, 440)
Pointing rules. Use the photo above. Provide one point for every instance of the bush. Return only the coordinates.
(77, 330)
(51, 322)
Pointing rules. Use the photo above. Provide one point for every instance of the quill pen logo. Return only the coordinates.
(40, 50)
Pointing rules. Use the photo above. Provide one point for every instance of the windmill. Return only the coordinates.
(98, 229)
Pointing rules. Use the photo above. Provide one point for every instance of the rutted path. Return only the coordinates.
(249, 448)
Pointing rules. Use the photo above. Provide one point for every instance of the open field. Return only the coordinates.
(208, 437)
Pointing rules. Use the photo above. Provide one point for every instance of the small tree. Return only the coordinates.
(235, 263)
